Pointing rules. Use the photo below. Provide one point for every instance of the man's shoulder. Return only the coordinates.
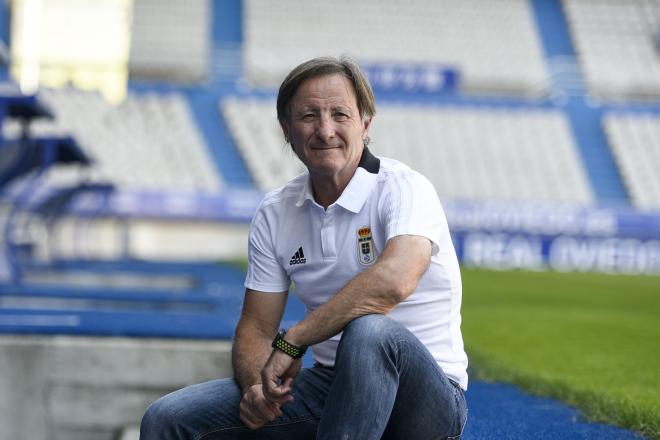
(392, 171)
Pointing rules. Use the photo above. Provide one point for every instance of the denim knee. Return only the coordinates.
(371, 332)
(369, 329)
(160, 419)
(369, 340)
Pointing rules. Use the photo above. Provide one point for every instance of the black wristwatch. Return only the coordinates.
(280, 344)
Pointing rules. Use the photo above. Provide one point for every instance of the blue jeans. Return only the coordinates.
(385, 385)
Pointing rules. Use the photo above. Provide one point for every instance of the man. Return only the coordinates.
(366, 243)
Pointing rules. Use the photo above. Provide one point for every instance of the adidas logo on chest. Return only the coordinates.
(298, 257)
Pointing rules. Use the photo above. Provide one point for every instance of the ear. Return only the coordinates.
(366, 123)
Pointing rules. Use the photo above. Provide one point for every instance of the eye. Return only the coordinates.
(340, 116)
(308, 116)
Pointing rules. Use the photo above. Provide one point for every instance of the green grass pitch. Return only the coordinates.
(591, 340)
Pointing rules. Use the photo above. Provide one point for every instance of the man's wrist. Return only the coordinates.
(247, 388)
(293, 337)
(286, 346)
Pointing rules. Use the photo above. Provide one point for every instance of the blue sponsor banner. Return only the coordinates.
(490, 234)
(427, 78)
(551, 219)
(229, 206)
(566, 253)
(540, 236)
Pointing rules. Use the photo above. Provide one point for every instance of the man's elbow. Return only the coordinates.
(402, 288)
(398, 287)
(394, 286)
(384, 299)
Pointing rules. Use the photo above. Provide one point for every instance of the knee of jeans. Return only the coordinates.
(159, 419)
(369, 330)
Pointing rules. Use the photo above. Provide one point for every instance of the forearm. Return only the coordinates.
(367, 293)
(249, 354)
(260, 319)
(375, 290)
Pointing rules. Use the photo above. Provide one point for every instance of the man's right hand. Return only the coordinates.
(255, 410)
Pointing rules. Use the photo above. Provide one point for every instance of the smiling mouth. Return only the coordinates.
(325, 147)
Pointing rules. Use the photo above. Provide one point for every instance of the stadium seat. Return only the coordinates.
(483, 40)
(170, 40)
(150, 141)
(467, 153)
(635, 143)
(615, 44)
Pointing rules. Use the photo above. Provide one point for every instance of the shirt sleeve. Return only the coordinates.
(264, 272)
(410, 206)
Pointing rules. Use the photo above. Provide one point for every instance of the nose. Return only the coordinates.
(326, 128)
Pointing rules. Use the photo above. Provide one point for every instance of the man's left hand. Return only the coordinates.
(277, 377)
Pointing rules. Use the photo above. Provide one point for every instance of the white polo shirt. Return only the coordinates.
(294, 239)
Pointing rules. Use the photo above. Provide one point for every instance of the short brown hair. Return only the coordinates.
(323, 66)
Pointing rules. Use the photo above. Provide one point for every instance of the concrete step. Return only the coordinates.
(129, 362)
(130, 433)
(98, 408)
(84, 388)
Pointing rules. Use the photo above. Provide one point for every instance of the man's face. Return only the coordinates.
(325, 127)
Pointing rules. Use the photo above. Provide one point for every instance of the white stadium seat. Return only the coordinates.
(616, 46)
(149, 141)
(635, 143)
(171, 39)
(494, 45)
(467, 153)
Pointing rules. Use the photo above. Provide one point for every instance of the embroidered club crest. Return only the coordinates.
(365, 245)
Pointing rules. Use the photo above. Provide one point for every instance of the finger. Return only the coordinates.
(268, 410)
(278, 395)
(265, 409)
(259, 409)
(278, 388)
(287, 383)
(272, 389)
(268, 382)
(288, 399)
(249, 413)
(273, 408)
(284, 388)
(250, 420)
(281, 400)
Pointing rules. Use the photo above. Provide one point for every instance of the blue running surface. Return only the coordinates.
(503, 412)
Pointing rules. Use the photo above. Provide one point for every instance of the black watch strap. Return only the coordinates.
(292, 350)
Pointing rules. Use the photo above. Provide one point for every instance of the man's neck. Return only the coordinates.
(328, 189)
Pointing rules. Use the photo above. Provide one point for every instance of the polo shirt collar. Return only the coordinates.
(306, 193)
(358, 189)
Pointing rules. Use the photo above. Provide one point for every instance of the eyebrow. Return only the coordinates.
(342, 108)
(314, 108)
